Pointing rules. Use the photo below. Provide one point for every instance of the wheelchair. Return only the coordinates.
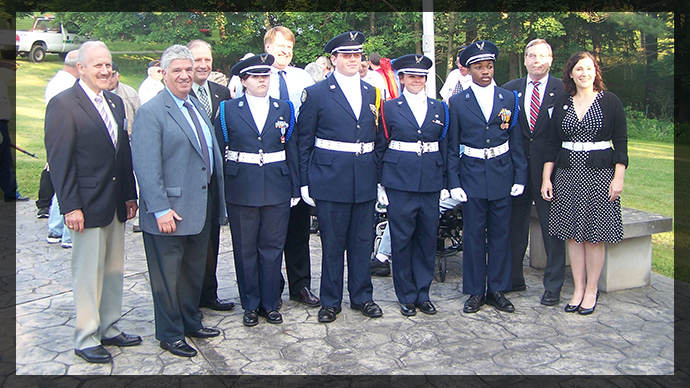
(448, 234)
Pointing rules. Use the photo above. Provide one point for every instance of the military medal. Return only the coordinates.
(282, 125)
(504, 114)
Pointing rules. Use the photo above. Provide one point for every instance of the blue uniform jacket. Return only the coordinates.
(250, 184)
(491, 178)
(338, 176)
(409, 171)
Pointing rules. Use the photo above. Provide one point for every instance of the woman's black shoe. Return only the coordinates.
(569, 308)
(590, 310)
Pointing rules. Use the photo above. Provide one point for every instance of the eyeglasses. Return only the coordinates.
(349, 55)
(540, 56)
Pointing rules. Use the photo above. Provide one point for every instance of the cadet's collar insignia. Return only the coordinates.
(353, 35)
(467, 95)
(241, 104)
(400, 102)
(500, 96)
(435, 116)
(304, 95)
(263, 57)
(418, 59)
(365, 87)
(332, 87)
(216, 96)
(565, 107)
(432, 103)
(275, 104)
(480, 46)
(519, 94)
(280, 118)
(551, 94)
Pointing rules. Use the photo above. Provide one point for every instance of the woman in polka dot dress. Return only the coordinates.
(589, 149)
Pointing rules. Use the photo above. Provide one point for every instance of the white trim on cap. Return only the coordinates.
(348, 49)
(264, 69)
(481, 57)
(412, 70)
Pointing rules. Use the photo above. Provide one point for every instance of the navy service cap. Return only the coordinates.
(256, 65)
(481, 50)
(347, 42)
(412, 64)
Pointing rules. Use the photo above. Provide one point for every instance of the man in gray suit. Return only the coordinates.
(179, 169)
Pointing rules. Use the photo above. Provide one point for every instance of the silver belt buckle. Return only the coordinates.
(360, 150)
(261, 158)
(421, 148)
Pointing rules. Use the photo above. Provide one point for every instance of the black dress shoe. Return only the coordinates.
(122, 339)
(272, 316)
(204, 332)
(250, 318)
(473, 303)
(587, 311)
(550, 298)
(379, 268)
(499, 301)
(408, 309)
(569, 308)
(427, 307)
(96, 354)
(179, 348)
(306, 297)
(218, 305)
(369, 309)
(328, 314)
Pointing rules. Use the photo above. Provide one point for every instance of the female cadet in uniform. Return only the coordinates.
(411, 178)
(260, 185)
(588, 144)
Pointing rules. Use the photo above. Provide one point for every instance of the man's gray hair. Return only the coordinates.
(71, 58)
(536, 42)
(199, 42)
(176, 51)
(86, 46)
(315, 70)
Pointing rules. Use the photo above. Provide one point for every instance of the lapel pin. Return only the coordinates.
(275, 104)
(500, 96)
(519, 94)
(565, 107)
(241, 104)
(467, 95)
(332, 87)
(216, 96)
(432, 102)
(399, 102)
(551, 94)
(365, 87)
(435, 116)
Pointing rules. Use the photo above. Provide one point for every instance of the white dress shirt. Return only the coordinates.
(375, 79)
(530, 88)
(296, 80)
(352, 89)
(92, 96)
(149, 88)
(485, 98)
(259, 107)
(60, 82)
(418, 105)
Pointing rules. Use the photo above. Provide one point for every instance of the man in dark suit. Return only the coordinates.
(340, 150)
(91, 169)
(537, 93)
(492, 168)
(210, 94)
(179, 169)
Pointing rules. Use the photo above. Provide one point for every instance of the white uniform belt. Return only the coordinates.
(487, 153)
(357, 148)
(260, 158)
(586, 145)
(419, 147)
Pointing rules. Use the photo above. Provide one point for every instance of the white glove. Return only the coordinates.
(294, 201)
(458, 194)
(304, 190)
(381, 196)
(517, 190)
(444, 195)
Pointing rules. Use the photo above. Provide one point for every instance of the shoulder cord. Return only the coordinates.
(292, 121)
(517, 110)
(223, 125)
(445, 124)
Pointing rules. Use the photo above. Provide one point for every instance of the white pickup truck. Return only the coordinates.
(48, 36)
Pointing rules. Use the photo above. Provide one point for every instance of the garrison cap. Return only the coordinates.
(412, 64)
(256, 65)
(481, 50)
(115, 67)
(155, 62)
(347, 42)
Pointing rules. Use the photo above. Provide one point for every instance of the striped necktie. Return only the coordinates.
(534, 106)
(203, 97)
(282, 86)
(106, 119)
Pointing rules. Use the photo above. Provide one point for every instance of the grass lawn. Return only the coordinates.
(649, 180)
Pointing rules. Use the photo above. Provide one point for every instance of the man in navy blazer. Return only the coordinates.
(492, 168)
(91, 169)
(339, 151)
(534, 122)
(180, 172)
(210, 94)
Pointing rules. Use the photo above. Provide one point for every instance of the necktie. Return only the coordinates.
(203, 97)
(458, 88)
(282, 87)
(202, 139)
(106, 119)
(534, 106)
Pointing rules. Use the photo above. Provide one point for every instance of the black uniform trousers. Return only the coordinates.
(413, 221)
(258, 238)
(45, 191)
(8, 181)
(486, 221)
(297, 260)
(554, 273)
(345, 226)
(209, 289)
(176, 268)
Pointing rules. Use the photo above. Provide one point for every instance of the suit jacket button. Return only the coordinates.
(203, 187)
(114, 179)
(531, 139)
(203, 168)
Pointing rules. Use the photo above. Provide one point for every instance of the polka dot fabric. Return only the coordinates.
(580, 209)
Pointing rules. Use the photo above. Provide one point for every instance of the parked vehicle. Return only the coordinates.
(48, 36)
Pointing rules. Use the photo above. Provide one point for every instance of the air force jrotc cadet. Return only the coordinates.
(261, 183)
(492, 168)
(340, 150)
(412, 176)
